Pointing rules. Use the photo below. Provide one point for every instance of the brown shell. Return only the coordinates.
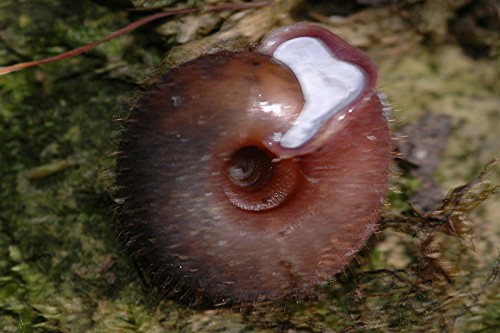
(193, 228)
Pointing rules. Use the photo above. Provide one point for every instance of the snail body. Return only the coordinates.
(238, 184)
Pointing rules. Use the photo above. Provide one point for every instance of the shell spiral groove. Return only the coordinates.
(217, 202)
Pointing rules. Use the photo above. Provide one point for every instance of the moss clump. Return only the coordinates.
(60, 268)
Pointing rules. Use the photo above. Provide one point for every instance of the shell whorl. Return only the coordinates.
(216, 205)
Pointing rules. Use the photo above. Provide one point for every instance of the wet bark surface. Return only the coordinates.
(427, 269)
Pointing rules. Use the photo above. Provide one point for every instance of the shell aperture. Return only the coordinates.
(328, 85)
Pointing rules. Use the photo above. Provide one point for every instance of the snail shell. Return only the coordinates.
(253, 176)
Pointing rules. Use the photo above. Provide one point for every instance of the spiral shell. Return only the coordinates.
(253, 176)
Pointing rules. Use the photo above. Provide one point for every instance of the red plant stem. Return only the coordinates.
(126, 29)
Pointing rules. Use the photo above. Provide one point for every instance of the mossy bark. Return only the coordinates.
(60, 267)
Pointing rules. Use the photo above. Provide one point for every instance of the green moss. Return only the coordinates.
(60, 267)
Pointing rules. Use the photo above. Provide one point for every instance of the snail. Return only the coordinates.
(253, 176)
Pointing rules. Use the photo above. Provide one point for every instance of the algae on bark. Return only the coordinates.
(60, 267)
